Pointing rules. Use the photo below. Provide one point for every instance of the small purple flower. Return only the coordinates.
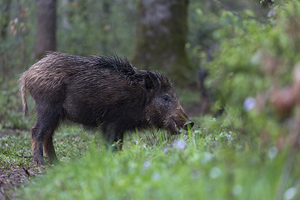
(290, 193)
(165, 151)
(180, 144)
(249, 104)
(215, 172)
(228, 137)
(146, 164)
(195, 175)
(156, 176)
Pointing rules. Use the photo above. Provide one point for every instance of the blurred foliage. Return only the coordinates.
(106, 27)
(205, 23)
(253, 73)
(92, 27)
(17, 48)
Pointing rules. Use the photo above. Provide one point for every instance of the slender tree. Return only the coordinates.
(46, 27)
(161, 37)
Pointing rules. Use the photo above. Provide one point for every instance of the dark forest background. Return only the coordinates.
(169, 36)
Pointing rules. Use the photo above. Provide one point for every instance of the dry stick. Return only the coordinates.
(288, 165)
(26, 171)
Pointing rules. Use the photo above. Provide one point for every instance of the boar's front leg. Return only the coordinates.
(113, 136)
(119, 140)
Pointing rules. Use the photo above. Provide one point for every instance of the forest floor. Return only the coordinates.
(14, 176)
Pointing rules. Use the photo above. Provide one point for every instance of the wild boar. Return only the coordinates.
(98, 91)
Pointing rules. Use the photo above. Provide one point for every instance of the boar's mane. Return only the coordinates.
(123, 67)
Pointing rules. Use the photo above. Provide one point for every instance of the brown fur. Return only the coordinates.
(97, 91)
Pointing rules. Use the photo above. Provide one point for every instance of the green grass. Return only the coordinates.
(14, 149)
(210, 166)
(141, 172)
(71, 142)
(215, 163)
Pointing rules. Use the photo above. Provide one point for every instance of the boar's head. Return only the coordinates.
(163, 109)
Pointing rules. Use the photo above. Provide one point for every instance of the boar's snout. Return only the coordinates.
(189, 123)
(179, 122)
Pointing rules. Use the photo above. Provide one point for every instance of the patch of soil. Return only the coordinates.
(15, 176)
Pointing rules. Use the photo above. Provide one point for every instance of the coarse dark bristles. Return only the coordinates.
(105, 91)
(115, 63)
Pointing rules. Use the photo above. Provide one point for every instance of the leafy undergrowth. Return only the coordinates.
(199, 164)
(176, 174)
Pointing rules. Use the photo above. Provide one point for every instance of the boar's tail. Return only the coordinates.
(23, 94)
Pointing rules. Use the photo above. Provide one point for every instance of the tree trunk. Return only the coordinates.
(161, 36)
(46, 27)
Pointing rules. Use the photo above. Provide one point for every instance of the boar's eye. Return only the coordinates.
(166, 99)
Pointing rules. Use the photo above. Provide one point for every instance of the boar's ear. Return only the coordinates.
(151, 80)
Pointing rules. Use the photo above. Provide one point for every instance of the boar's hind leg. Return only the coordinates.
(42, 132)
(37, 147)
(48, 143)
